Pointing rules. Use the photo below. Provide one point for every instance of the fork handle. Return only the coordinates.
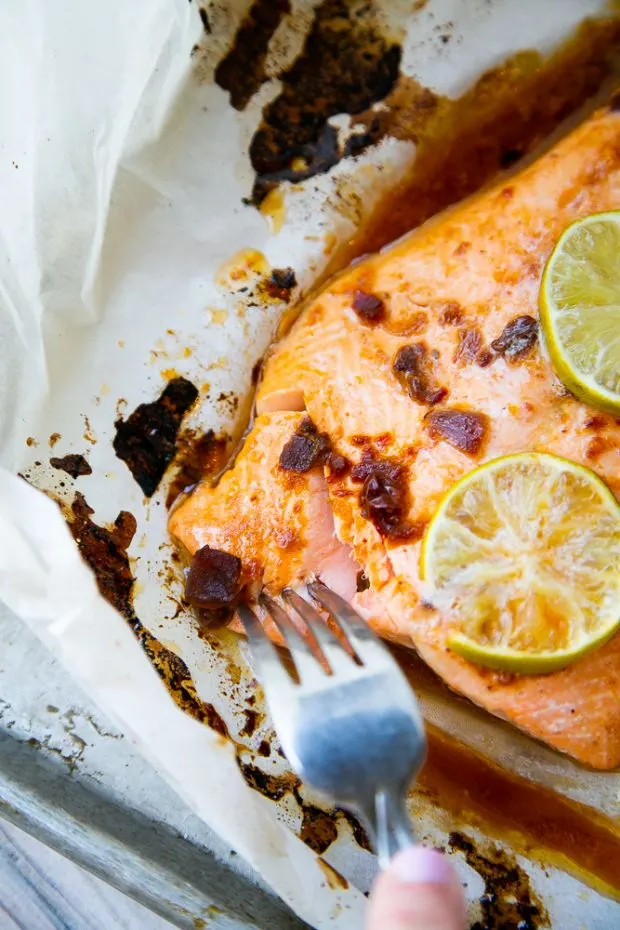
(391, 826)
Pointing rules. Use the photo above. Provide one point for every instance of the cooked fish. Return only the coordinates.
(404, 373)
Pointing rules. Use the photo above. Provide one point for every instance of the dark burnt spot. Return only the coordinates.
(508, 192)
(279, 285)
(252, 719)
(485, 357)
(369, 308)
(469, 345)
(359, 834)
(105, 551)
(213, 580)
(257, 370)
(338, 465)
(318, 829)
(273, 787)
(146, 440)
(508, 901)
(463, 429)
(413, 369)
(198, 458)
(509, 157)
(361, 582)
(204, 16)
(452, 313)
(242, 71)
(229, 401)
(596, 421)
(306, 449)
(346, 65)
(385, 499)
(73, 464)
(517, 338)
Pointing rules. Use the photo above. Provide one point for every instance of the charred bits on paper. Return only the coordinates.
(105, 550)
(347, 64)
(147, 440)
(508, 901)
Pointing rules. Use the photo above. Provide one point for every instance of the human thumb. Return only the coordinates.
(419, 891)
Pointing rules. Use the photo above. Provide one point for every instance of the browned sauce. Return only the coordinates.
(462, 143)
(534, 819)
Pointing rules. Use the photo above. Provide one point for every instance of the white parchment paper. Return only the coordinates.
(123, 169)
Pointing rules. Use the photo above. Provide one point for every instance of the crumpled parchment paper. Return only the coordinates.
(123, 169)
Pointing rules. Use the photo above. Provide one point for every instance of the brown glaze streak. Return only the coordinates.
(306, 449)
(146, 440)
(413, 370)
(197, 458)
(463, 429)
(346, 65)
(517, 338)
(73, 464)
(242, 71)
(369, 308)
(105, 550)
(508, 901)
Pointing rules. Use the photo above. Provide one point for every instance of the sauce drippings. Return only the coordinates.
(474, 790)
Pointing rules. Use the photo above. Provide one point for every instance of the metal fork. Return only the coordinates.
(353, 733)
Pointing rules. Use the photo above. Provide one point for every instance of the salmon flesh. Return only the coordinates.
(406, 372)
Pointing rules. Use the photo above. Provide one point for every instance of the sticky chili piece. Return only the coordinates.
(464, 429)
(214, 579)
(369, 308)
(413, 369)
(517, 338)
(384, 497)
(305, 449)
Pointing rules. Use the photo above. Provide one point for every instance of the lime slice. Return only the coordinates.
(580, 309)
(523, 558)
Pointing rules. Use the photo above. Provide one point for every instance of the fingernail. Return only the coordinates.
(420, 864)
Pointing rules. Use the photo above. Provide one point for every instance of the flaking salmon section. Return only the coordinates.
(277, 521)
(450, 374)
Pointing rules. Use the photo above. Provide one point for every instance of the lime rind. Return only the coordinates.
(581, 582)
(580, 310)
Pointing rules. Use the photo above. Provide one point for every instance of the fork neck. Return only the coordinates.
(389, 825)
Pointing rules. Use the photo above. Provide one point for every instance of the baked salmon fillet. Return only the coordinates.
(405, 373)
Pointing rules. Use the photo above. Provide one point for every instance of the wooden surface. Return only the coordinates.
(41, 890)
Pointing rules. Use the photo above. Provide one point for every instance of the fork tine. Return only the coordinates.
(336, 655)
(269, 666)
(307, 664)
(357, 631)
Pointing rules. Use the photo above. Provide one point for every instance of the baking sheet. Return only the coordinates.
(71, 779)
(123, 244)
